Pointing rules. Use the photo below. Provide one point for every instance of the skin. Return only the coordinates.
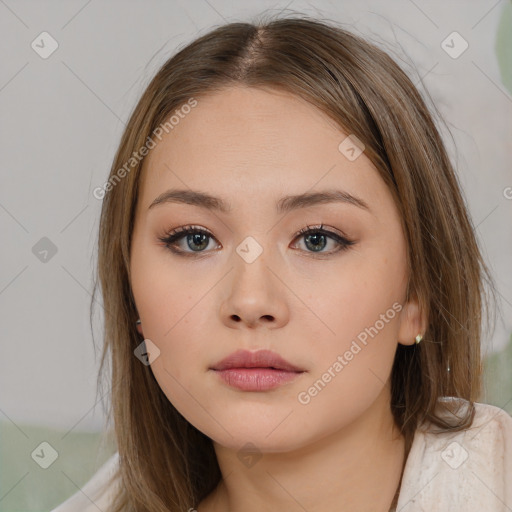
(341, 451)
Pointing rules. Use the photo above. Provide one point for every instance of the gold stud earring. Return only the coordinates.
(418, 338)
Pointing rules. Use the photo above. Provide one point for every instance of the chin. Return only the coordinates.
(271, 435)
(258, 442)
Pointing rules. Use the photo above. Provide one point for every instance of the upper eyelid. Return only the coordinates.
(182, 230)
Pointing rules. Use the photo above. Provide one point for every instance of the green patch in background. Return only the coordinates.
(498, 378)
(25, 486)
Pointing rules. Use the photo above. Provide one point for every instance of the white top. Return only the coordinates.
(468, 471)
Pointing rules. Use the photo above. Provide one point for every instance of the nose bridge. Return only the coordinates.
(256, 236)
(252, 259)
(254, 294)
(257, 240)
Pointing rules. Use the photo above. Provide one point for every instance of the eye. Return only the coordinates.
(316, 238)
(198, 239)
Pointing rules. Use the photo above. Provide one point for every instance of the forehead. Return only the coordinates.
(251, 142)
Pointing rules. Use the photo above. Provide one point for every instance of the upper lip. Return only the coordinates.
(259, 359)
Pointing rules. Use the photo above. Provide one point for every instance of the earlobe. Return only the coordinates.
(412, 324)
(138, 323)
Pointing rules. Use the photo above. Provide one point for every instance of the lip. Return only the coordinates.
(258, 359)
(256, 371)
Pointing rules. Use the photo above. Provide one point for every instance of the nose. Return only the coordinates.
(256, 295)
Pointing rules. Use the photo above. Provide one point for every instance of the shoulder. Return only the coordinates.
(470, 469)
(95, 494)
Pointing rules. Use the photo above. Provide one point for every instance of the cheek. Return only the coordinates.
(174, 321)
(359, 313)
(162, 291)
(175, 324)
(170, 309)
(362, 292)
(352, 363)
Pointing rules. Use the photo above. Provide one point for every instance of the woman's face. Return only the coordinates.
(334, 311)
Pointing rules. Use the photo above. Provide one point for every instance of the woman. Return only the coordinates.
(292, 289)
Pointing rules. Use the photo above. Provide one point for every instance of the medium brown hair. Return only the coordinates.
(165, 462)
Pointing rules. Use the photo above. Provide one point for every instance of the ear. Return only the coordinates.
(139, 328)
(413, 321)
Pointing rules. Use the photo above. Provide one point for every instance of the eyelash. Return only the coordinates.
(174, 235)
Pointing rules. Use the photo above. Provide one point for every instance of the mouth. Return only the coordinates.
(256, 371)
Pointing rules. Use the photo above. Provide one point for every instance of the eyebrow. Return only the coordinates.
(284, 205)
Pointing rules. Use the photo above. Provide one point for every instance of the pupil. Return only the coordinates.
(196, 237)
(316, 240)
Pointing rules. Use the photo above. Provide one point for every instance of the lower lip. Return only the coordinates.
(256, 379)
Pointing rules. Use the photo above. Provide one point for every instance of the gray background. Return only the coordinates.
(62, 118)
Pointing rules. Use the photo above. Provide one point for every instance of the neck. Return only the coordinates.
(357, 468)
